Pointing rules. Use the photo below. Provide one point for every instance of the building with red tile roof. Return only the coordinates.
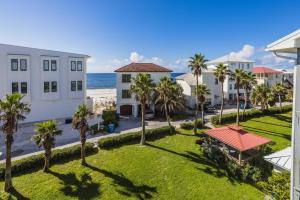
(143, 67)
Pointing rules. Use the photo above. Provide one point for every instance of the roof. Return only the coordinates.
(190, 78)
(286, 44)
(265, 70)
(143, 67)
(237, 138)
(228, 58)
(39, 49)
(282, 159)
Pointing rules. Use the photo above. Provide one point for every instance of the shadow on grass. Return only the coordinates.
(267, 132)
(218, 173)
(125, 186)
(282, 117)
(264, 122)
(81, 188)
(15, 194)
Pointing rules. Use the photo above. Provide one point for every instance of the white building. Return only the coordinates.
(188, 83)
(53, 82)
(126, 103)
(267, 76)
(281, 160)
(291, 44)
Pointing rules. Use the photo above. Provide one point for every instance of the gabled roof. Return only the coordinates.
(286, 44)
(143, 67)
(237, 138)
(227, 59)
(282, 159)
(264, 70)
(190, 78)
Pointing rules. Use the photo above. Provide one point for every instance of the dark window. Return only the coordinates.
(126, 94)
(15, 87)
(216, 81)
(14, 64)
(73, 86)
(23, 65)
(126, 78)
(149, 75)
(230, 86)
(73, 65)
(248, 66)
(79, 65)
(46, 65)
(53, 65)
(54, 86)
(46, 87)
(79, 85)
(24, 87)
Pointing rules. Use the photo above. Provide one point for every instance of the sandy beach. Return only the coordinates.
(102, 97)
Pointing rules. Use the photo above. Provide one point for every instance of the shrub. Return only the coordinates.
(277, 186)
(190, 125)
(110, 116)
(110, 142)
(231, 117)
(37, 161)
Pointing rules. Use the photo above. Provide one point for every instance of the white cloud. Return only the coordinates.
(136, 57)
(91, 60)
(246, 52)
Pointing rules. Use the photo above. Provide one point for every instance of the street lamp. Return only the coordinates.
(290, 44)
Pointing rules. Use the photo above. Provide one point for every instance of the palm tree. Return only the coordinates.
(12, 110)
(143, 87)
(202, 92)
(197, 64)
(248, 82)
(260, 93)
(170, 94)
(279, 90)
(45, 137)
(237, 76)
(220, 73)
(80, 122)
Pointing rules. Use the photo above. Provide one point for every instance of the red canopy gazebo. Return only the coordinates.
(238, 139)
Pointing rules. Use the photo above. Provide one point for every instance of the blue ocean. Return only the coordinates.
(106, 80)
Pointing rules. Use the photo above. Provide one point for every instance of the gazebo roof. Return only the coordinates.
(237, 138)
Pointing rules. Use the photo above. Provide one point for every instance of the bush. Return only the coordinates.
(110, 142)
(190, 125)
(231, 117)
(110, 116)
(277, 186)
(37, 161)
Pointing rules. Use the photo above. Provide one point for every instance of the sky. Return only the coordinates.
(167, 32)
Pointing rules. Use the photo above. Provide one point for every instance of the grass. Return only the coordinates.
(169, 168)
(277, 127)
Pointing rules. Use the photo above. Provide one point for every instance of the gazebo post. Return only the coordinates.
(240, 157)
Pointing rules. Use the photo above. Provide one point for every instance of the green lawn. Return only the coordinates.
(167, 169)
(276, 127)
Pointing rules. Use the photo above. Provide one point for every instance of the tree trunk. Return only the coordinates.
(222, 103)
(47, 159)
(8, 181)
(238, 105)
(197, 106)
(143, 124)
(83, 140)
(168, 118)
(202, 112)
(245, 102)
(280, 103)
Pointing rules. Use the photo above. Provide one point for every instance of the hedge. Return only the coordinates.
(191, 125)
(36, 162)
(231, 117)
(133, 137)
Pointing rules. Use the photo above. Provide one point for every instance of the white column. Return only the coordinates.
(295, 171)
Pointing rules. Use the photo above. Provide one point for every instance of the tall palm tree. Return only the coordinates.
(170, 94)
(237, 76)
(45, 137)
(197, 64)
(248, 82)
(279, 90)
(202, 92)
(80, 123)
(143, 87)
(12, 110)
(220, 73)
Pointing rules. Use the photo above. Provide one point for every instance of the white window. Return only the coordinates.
(53, 65)
(73, 65)
(79, 65)
(23, 64)
(14, 64)
(46, 65)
